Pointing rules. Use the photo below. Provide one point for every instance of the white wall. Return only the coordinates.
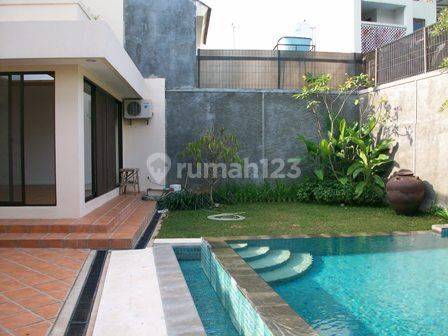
(420, 129)
(41, 10)
(69, 146)
(110, 11)
(141, 140)
(68, 125)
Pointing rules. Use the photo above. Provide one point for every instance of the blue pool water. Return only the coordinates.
(389, 285)
(213, 316)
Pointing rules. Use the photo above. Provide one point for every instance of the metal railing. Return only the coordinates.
(408, 56)
(271, 69)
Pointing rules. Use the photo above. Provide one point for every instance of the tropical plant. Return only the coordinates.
(213, 151)
(441, 25)
(346, 152)
(441, 212)
(439, 28)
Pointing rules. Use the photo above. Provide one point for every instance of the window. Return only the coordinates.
(88, 141)
(27, 139)
(102, 141)
(419, 24)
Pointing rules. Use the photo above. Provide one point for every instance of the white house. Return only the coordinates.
(64, 75)
(363, 25)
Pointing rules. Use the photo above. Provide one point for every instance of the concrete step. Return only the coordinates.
(124, 236)
(441, 229)
(296, 265)
(103, 219)
(238, 246)
(273, 259)
(253, 253)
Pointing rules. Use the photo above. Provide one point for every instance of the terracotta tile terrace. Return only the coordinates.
(118, 224)
(34, 284)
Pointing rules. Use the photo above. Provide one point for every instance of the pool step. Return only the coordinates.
(238, 246)
(441, 229)
(273, 259)
(253, 253)
(296, 265)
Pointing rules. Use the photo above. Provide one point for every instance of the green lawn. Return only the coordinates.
(292, 219)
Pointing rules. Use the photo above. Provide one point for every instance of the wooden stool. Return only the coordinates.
(129, 176)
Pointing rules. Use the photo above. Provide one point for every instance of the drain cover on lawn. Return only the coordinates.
(227, 217)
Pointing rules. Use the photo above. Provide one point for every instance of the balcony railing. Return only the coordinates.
(375, 35)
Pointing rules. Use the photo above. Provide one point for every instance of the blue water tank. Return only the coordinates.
(294, 43)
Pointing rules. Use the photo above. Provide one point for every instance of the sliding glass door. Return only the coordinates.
(27, 139)
(102, 141)
(5, 175)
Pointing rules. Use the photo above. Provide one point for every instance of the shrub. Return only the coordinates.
(305, 191)
(333, 192)
(234, 193)
(185, 200)
(371, 197)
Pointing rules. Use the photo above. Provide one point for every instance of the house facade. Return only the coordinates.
(64, 76)
(363, 25)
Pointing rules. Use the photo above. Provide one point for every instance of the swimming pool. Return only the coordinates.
(382, 285)
(214, 318)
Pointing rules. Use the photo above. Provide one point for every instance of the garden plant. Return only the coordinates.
(346, 152)
(211, 151)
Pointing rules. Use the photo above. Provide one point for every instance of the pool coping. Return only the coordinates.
(320, 235)
(181, 315)
(278, 316)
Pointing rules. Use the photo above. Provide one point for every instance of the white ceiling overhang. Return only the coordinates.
(91, 44)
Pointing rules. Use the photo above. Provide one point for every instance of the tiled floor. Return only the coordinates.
(116, 225)
(33, 286)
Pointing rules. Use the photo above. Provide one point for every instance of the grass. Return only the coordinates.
(291, 218)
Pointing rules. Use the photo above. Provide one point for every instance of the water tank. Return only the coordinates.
(294, 43)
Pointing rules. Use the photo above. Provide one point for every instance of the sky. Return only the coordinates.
(254, 24)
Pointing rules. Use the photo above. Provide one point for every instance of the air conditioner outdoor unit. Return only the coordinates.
(137, 109)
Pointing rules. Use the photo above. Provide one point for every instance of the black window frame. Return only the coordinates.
(22, 74)
(94, 90)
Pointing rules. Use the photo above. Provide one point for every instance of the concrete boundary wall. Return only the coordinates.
(266, 123)
(420, 129)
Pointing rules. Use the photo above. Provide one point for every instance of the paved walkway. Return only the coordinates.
(34, 284)
(130, 302)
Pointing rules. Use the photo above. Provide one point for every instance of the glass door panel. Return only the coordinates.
(39, 139)
(5, 190)
(16, 139)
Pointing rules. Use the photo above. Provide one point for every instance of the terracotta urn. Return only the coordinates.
(405, 192)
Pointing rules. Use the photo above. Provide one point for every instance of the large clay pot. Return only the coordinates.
(405, 192)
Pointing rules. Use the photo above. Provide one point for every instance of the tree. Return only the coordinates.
(212, 151)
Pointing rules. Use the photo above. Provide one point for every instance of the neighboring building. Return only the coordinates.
(64, 74)
(385, 21)
(162, 38)
(363, 25)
